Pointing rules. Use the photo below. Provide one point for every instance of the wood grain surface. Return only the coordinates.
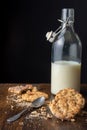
(37, 124)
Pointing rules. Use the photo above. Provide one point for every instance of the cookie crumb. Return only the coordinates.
(49, 116)
(73, 120)
(12, 107)
(21, 123)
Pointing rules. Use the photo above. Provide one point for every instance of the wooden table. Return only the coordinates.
(49, 124)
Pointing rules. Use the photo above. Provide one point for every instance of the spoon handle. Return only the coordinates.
(15, 117)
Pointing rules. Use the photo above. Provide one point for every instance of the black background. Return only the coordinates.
(25, 54)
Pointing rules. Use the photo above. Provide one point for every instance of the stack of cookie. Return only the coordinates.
(66, 104)
(27, 92)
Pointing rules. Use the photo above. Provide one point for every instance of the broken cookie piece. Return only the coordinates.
(31, 96)
(20, 88)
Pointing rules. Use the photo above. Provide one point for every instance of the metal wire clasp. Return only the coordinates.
(52, 35)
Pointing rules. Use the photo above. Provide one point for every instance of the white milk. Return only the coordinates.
(65, 74)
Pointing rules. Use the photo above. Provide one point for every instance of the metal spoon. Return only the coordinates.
(35, 104)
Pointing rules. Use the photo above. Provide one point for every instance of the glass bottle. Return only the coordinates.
(66, 55)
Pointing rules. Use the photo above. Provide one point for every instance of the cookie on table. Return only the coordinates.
(66, 104)
(20, 88)
(31, 96)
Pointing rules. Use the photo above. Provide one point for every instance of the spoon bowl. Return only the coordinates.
(38, 102)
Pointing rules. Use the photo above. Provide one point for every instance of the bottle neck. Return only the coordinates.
(67, 17)
(69, 24)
